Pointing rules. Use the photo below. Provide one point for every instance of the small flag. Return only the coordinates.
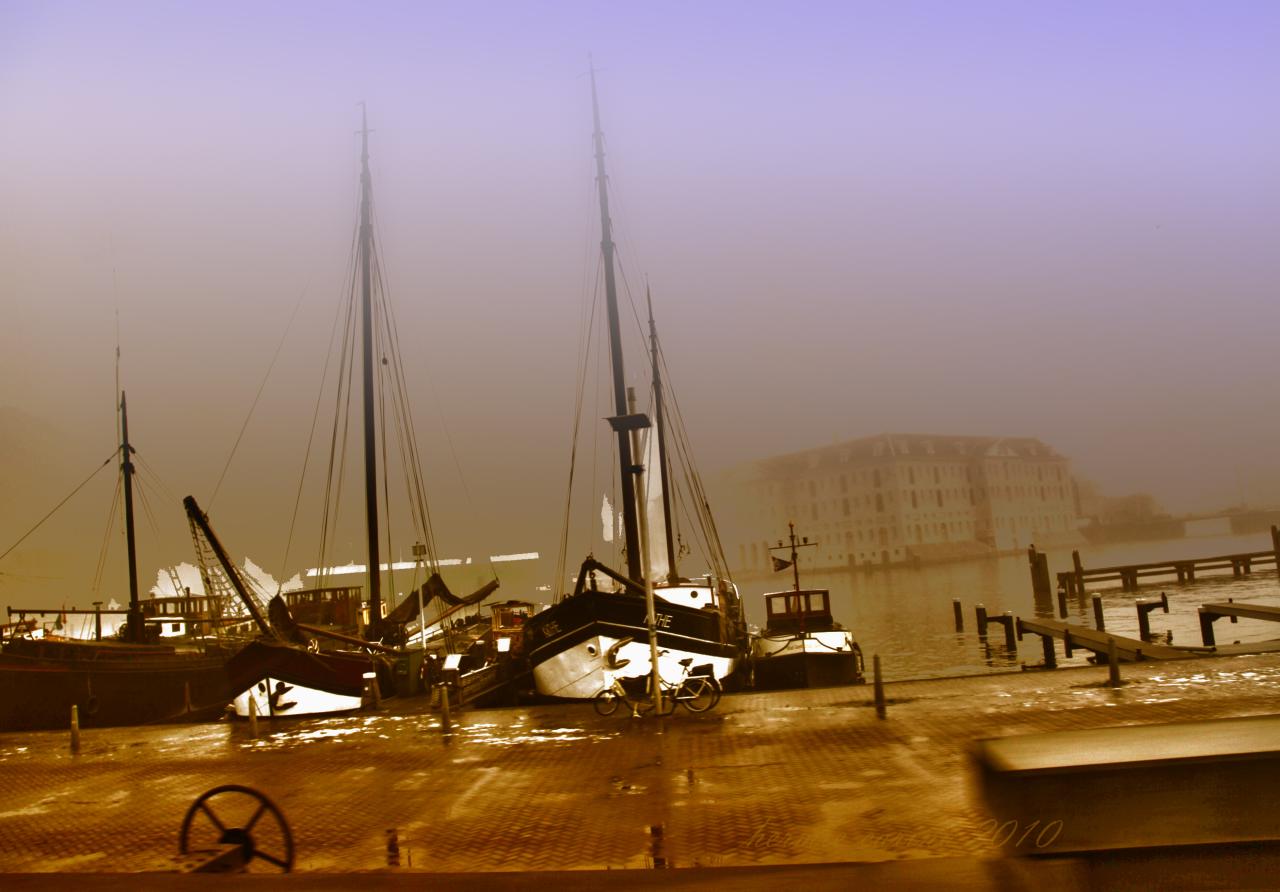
(779, 563)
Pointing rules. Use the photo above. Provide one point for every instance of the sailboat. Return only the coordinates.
(133, 680)
(802, 646)
(577, 646)
(295, 668)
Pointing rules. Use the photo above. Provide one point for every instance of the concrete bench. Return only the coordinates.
(1186, 783)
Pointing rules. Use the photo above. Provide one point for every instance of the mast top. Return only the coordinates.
(364, 134)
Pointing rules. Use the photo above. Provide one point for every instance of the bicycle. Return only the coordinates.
(697, 693)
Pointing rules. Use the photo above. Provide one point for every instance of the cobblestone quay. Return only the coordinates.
(788, 778)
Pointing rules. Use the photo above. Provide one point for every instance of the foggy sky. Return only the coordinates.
(1052, 220)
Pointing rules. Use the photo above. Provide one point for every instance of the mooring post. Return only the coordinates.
(1099, 622)
(253, 715)
(1062, 601)
(1079, 571)
(1067, 649)
(1206, 627)
(879, 686)
(75, 729)
(980, 611)
(959, 613)
(446, 723)
(1275, 546)
(1039, 572)
(1010, 642)
(1050, 656)
(1113, 664)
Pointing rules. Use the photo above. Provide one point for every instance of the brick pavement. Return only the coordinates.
(765, 779)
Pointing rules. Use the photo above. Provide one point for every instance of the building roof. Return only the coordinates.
(905, 447)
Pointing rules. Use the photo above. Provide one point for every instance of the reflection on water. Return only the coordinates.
(905, 615)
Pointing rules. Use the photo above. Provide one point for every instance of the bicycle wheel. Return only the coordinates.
(605, 702)
(698, 694)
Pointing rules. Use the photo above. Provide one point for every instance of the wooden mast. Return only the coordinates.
(366, 338)
(136, 632)
(635, 569)
(673, 575)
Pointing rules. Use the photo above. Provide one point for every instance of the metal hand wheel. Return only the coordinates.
(236, 800)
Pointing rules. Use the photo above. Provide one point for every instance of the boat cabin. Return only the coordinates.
(807, 610)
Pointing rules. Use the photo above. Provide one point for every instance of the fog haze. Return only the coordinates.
(1048, 220)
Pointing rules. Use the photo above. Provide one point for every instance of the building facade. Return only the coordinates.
(905, 498)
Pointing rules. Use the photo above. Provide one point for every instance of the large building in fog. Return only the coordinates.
(904, 498)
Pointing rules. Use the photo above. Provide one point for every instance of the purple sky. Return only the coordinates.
(1045, 219)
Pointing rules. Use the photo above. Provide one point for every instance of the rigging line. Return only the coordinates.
(410, 451)
(106, 539)
(584, 362)
(407, 439)
(342, 384)
(315, 417)
(55, 508)
(386, 483)
(156, 480)
(261, 387)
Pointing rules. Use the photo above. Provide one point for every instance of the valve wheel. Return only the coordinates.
(237, 799)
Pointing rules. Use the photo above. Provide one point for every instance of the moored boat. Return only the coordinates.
(802, 646)
(131, 680)
(577, 646)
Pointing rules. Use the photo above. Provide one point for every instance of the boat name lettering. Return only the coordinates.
(662, 621)
(551, 629)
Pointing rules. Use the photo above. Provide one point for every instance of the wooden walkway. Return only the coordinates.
(1130, 576)
(1072, 636)
(1210, 613)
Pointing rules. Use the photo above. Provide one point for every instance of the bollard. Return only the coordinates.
(981, 613)
(446, 723)
(1050, 658)
(393, 848)
(1113, 664)
(956, 609)
(879, 686)
(1099, 623)
(253, 715)
(75, 729)
(878, 683)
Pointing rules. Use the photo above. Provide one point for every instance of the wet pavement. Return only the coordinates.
(788, 778)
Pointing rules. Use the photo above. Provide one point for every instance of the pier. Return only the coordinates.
(1210, 613)
(768, 786)
(1130, 576)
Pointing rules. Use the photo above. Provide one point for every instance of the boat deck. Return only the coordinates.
(764, 789)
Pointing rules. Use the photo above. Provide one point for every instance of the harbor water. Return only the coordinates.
(905, 614)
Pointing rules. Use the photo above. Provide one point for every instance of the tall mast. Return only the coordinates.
(625, 460)
(366, 338)
(126, 467)
(673, 575)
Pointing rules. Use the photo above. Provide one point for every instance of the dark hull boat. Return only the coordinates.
(578, 646)
(111, 684)
(802, 646)
(574, 646)
(284, 680)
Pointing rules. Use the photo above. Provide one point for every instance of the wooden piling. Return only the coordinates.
(959, 614)
(1010, 641)
(1050, 657)
(75, 729)
(446, 722)
(1062, 602)
(1275, 545)
(1079, 571)
(1099, 622)
(879, 686)
(1113, 664)
(980, 611)
(1039, 572)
